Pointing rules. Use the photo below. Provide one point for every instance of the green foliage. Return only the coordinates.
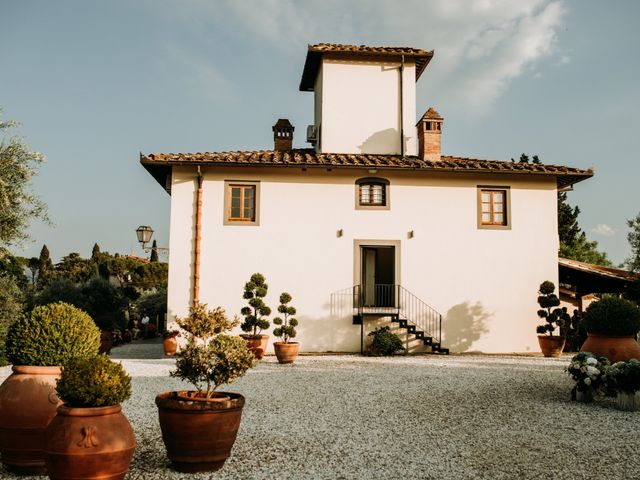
(286, 326)
(75, 268)
(154, 252)
(14, 267)
(632, 293)
(384, 342)
(588, 370)
(52, 335)
(18, 204)
(60, 290)
(574, 244)
(45, 267)
(153, 302)
(10, 310)
(93, 381)
(254, 315)
(95, 252)
(211, 358)
(633, 262)
(550, 311)
(623, 377)
(204, 324)
(612, 316)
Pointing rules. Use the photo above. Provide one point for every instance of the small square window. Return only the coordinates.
(241, 203)
(372, 194)
(493, 207)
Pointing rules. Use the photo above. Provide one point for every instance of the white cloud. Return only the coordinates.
(481, 45)
(604, 230)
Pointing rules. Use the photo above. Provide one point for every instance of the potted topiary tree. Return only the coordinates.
(89, 437)
(254, 315)
(37, 345)
(199, 427)
(555, 317)
(286, 351)
(612, 326)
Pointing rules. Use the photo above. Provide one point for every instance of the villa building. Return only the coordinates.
(371, 225)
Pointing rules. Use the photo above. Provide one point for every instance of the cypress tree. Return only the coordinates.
(95, 252)
(154, 252)
(45, 266)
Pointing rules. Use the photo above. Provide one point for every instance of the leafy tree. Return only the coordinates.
(34, 264)
(45, 267)
(10, 309)
(95, 252)
(60, 290)
(574, 244)
(153, 302)
(18, 204)
(154, 252)
(633, 262)
(254, 315)
(76, 268)
(13, 267)
(105, 303)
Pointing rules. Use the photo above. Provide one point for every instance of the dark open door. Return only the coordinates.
(378, 276)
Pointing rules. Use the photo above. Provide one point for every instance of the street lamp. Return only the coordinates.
(144, 232)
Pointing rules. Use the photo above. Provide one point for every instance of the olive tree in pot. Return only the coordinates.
(254, 315)
(90, 438)
(286, 351)
(555, 317)
(612, 326)
(199, 427)
(37, 345)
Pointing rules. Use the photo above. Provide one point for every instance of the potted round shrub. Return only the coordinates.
(612, 325)
(254, 315)
(200, 427)
(555, 317)
(286, 351)
(37, 345)
(623, 379)
(170, 342)
(90, 438)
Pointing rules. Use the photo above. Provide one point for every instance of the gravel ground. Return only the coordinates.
(348, 417)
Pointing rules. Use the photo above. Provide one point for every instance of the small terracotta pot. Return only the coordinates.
(257, 344)
(551, 345)
(286, 352)
(170, 345)
(616, 349)
(89, 443)
(28, 402)
(197, 433)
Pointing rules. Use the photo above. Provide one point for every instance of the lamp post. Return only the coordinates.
(144, 233)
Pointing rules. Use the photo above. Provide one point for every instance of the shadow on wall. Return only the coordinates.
(333, 332)
(384, 141)
(464, 324)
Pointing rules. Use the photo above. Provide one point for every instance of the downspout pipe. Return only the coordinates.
(402, 107)
(196, 256)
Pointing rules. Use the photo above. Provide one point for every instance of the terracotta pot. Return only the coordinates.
(616, 349)
(257, 344)
(551, 345)
(170, 345)
(286, 352)
(89, 443)
(106, 341)
(199, 434)
(28, 402)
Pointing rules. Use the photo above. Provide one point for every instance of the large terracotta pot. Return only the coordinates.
(28, 402)
(286, 352)
(170, 346)
(616, 349)
(89, 443)
(199, 434)
(551, 345)
(257, 344)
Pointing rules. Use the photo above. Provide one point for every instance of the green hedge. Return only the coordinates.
(612, 316)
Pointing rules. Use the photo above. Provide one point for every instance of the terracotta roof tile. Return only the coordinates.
(315, 52)
(156, 163)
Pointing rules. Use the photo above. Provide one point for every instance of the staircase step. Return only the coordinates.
(403, 323)
(419, 334)
(427, 340)
(411, 328)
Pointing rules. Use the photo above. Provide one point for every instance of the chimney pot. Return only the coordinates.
(430, 135)
(283, 135)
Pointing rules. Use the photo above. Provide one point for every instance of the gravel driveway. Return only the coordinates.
(348, 417)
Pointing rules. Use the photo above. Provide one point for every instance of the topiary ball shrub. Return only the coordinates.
(612, 316)
(384, 342)
(52, 335)
(93, 382)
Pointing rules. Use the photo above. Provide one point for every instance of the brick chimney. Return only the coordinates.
(283, 135)
(429, 135)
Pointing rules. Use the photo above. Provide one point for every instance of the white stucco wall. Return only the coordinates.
(484, 282)
(357, 106)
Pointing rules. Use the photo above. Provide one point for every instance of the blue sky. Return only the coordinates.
(95, 83)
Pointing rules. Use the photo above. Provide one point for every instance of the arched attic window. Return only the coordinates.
(372, 193)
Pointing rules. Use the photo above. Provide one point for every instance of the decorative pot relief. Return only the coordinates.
(88, 439)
